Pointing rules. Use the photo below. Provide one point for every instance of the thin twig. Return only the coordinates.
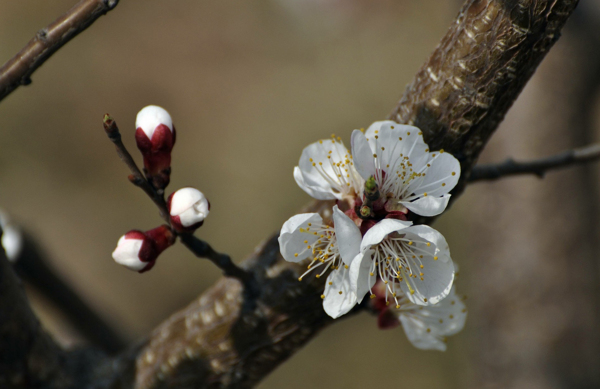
(18, 70)
(539, 167)
(198, 247)
(136, 177)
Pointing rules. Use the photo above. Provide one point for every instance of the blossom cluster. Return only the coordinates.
(188, 207)
(370, 246)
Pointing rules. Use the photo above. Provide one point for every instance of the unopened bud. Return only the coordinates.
(12, 239)
(139, 250)
(371, 189)
(155, 137)
(188, 208)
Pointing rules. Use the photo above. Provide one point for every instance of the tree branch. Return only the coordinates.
(18, 70)
(458, 98)
(539, 167)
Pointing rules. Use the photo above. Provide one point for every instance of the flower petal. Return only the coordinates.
(318, 166)
(316, 192)
(428, 206)
(380, 230)
(362, 154)
(436, 283)
(294, 234)
(335, 303)
(393, 142)
(360, 281)
(426, 327)
(440, 248)
(440, 177)
(347, 235)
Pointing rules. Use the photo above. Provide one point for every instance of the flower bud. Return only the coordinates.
(12, 239)
(155, 137)
(139, 250)
(188, 208)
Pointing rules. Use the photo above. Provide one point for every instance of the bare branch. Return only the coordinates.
(18, 70)
(200, 248)
(538, 167)
(458, 98)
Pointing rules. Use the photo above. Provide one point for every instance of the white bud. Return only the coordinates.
(12, 239)
(127, 253)
(151, 117)
(190, 205)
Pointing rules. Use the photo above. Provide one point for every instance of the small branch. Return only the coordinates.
(136, 177)
(199, 247)
(202, 249)
(539, 167)
(18, 70)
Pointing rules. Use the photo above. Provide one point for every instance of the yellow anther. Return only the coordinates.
(318, 276)
(340, 292)
(322, 296)
(346, 266)
(371, 274)
(451, 316)
(453, 173)
(421, 266)
(408, 133)
(387, 303)
(374, 155)
(372, 296)
(435, 258)
(299, 278)
(425, 194)
(428, 244)
(295, 255)
(441, 321)
(425, 299)
(429, 330)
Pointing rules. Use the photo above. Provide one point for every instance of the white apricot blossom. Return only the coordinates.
(404, 169)
(414, 260)
(326, 171)
(427, 327)
(305, 236)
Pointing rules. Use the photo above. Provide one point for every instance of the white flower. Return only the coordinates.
(152, 116)
(12, 239)
(326, 171)
(404, 168)
(188, 207)
(305, 236)
(428, 327)
(414, 260)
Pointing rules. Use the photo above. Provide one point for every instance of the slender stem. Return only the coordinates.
(202, 249)
(197, 246)
(136, 177)
(18, 70)
(538, 167)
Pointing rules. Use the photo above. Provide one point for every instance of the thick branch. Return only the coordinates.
(18, 70)
(539, 167)
(463, 91)
(458, 99)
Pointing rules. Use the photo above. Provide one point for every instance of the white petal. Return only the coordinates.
(291, 239)
(436, 284)
(438, 179)
(12, 241)
(428, 206)
(190, 205)
(362, 155)
(347, 234)
(334, 303)
(392, 142)
(127, 253)
(440, 247)
(360, 281)
(380, 230)
(427, 326)
(318, 173)
(416, 332)
(151, 117)
(316, 192)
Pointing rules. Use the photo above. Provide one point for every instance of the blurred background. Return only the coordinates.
(249, 84)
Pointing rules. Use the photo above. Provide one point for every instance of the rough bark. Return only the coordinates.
(457, 99)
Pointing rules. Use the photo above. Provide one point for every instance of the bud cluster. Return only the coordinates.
(188, 207)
